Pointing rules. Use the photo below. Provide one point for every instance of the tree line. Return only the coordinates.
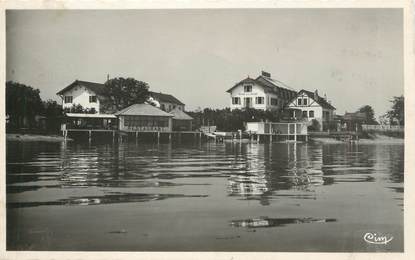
(23, 105)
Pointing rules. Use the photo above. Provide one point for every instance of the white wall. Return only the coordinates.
(311, 106)
(257, 91)
(80, 95)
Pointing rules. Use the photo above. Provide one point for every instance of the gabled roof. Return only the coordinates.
(180, 115)
(97, 88)
(161, 97)
(142, 110)
(321, 101)
(269, 84)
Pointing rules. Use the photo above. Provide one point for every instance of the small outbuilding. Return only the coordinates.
(181, 120)
(144, 117)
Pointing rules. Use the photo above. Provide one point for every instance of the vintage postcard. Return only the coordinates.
(215, 130)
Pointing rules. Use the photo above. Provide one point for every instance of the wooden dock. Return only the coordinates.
(120, 135)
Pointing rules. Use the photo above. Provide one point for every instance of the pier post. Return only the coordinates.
(295, 132)
(89, 135)
(158, 137)
(169, 137)
(113, 136)
(270, 138)
(136, 136)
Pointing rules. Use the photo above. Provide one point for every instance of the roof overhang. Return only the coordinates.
(80, 115)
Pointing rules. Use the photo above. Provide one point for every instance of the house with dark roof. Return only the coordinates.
(307, 105)
(87, 94)
(144, 117)
(165, 102)
(263, 93)
(181, 120)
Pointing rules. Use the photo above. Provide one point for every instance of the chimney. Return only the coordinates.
(316, 95)
(325, 96)
(108, 77)
(266, 74)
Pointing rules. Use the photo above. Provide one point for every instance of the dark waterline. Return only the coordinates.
(203, 197)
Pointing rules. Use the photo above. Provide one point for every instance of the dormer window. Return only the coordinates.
(92, 99)
(68, 99)
(299, 101)
(248, 88)
(305, 102)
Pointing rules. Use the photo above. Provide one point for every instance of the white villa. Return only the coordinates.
(87, 94)
(308, 105)
(262, 93)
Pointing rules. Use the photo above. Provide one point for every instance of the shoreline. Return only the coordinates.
(35, 138)
(380, 139)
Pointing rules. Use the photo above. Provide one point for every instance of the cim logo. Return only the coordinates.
(374, 238)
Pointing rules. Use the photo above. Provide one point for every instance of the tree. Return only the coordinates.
(370, 114)
(397, 114)
(227, 120)
(23, 103)
(123, 92)
(53, 113)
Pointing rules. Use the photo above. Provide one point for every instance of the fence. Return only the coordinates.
(383, 128)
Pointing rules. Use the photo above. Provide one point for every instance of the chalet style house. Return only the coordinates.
(307, 105)
(162, 112)
(87, 94)
(90, 95)
(262, 93)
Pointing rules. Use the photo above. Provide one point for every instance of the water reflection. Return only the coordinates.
(106, 199)
(265, 222)
(251, 171)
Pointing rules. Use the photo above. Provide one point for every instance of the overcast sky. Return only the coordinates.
(355, 56)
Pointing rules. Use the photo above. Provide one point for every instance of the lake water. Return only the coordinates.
(204, 196)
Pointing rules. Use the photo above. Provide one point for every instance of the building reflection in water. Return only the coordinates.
(276, 167)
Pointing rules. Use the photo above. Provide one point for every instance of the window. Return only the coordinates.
(274, 101)
(236, 101)
(311, 113)
(305, 114)
(299, 102)
(163, 107)
(248, 88)
(259, 100)
(68, 99)
(92, 99)
(305, 102)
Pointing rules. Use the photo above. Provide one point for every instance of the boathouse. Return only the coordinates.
(144, 118)
(181, 120)
(90, 121)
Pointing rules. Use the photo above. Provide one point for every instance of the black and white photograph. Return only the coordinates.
(205, 130)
